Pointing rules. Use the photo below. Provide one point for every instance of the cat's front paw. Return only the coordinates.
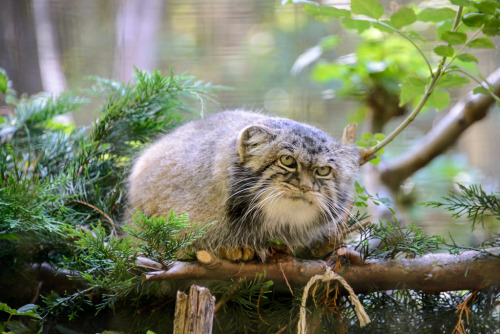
(237, 254)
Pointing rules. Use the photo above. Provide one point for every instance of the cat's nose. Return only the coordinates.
(306, 185)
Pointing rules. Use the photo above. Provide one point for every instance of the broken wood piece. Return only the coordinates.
(194, 313)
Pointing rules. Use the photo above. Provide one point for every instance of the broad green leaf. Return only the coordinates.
(465, 3)
(324, 72)
(403, 17)
(359, 25)
(6, 308)
(367, 137)
(361, 144)
(453, 38)
(467, 57)
(411, 88)
(383, 27)
(481, 43)
(3, 81)
(487, 7)
(436, 14)
(444, 51)
(375, 161)
(2, 120)
(439, 99)
(492, 27)
(379, 137)
(450, 80)
(481, 90)
(326, 11)
(474, 19)
(370, 8)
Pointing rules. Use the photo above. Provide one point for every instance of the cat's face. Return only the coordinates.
(291, 177)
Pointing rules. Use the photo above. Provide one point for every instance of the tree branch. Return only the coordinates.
(431, 273)
(470, 109)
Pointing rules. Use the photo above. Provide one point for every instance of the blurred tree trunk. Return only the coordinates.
(53, 78)
(137, 27)
(18, 45)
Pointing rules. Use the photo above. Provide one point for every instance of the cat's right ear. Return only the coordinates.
(251, 138)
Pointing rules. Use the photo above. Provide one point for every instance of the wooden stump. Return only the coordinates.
(194, 313)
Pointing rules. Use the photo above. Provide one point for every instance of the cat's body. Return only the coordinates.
(259, 178)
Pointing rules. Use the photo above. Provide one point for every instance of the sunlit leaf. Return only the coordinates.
(324, 72)
(453, 38)
(403, 17)
(411, 88)
(481, 90)
(436, 14)
(439, 99)
(444, 51)
(467, 57)
(450, 80)
(359, 25)
(370, 8)
(3, 81)
(481, 43)
(474, 19)
(383, 27)
(326, 11)
(465, 3)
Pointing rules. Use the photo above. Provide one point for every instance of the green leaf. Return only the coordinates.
(383, 27)
(324, 72)
(370, 8)
(467, 57)
(492, 27)
(436, 14)
(3, 81)
(411, 88)
(481, 90)
(444, 51)
(403, 17)
(439, 99)
(359, 25)
(453, 38)
(316, 10)
(465, 3)
(481, 43)
(487, 7)
(379, 137)
(367, 137)
(474, 19)
(375, 161)
(450, 80)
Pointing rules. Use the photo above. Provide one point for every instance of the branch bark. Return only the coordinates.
(431, 273)
(470, 109)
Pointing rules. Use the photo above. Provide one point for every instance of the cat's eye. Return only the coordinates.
(288, 161)
(323, 171)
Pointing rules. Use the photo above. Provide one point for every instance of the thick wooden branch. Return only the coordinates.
(430, 273)
(470, 109)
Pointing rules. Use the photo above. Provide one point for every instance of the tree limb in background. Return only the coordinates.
(472, 270)
(470, 109)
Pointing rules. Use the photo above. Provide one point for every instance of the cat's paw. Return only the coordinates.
(237, 254)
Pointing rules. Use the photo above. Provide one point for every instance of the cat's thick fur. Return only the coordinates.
(260, 178)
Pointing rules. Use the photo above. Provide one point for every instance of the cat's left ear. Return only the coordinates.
(251, 138)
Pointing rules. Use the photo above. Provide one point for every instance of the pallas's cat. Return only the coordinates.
(260, 178)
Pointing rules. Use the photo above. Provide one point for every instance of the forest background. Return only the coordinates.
(276, 58)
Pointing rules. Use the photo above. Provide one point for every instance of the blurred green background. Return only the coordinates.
(251, 46)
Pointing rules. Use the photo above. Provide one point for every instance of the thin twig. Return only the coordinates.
(286, 280)
(102, 213)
